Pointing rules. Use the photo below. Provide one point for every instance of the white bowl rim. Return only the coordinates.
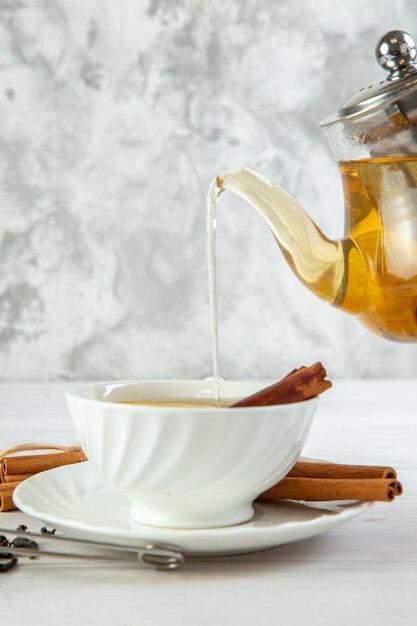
(73, 393)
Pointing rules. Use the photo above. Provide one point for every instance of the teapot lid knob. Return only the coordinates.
(396, 52)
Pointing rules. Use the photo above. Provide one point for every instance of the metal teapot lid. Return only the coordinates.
(396, 52)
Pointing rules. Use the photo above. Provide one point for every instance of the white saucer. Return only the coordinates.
(75, 500)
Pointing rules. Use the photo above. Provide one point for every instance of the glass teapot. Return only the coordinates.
(372, 271)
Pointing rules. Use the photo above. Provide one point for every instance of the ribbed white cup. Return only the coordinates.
(187, 467)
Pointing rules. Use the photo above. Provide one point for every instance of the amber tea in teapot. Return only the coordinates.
(381, 218)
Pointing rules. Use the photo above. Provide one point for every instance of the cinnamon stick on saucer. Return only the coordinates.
(6, 496)
(300, 384)
(18, 468)
(325, 489)
(306, 469)
(12, 478)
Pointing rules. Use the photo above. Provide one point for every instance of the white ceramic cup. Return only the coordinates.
(187, 467)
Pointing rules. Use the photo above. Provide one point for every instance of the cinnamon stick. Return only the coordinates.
(300, 384)
(398, 488)
(338, 470)
(325, 489)
(14, 466)
(6, 496)
(13, 478)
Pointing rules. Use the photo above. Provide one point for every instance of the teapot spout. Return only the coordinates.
(333, 270)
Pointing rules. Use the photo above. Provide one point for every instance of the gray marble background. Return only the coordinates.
(114, 118)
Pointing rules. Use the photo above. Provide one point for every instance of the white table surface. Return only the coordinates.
(364, 572)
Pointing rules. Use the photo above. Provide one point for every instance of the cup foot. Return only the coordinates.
(189, 515)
